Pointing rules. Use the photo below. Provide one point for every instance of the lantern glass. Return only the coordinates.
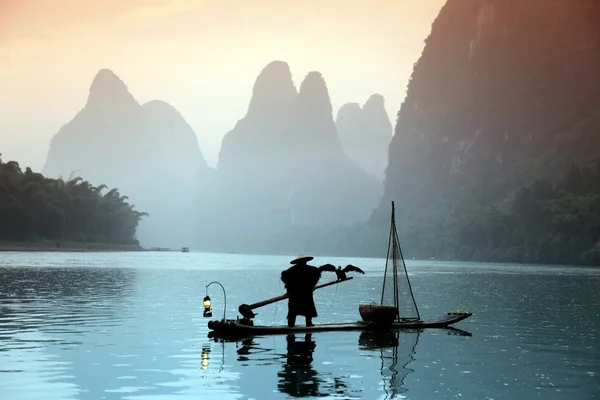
(207, 311)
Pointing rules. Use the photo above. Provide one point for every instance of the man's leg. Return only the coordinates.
(291, 320)
(309, 321)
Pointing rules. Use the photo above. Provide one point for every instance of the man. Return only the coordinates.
(300, 281)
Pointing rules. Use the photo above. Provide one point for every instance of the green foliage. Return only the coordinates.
(33, 207)
(544, 223)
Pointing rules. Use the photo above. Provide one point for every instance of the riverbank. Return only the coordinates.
(64, 246)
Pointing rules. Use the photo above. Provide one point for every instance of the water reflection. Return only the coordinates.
(45, 313)
(205, 356)
(298, 378)
(295, 370)
(325, 364)
(249, 347)
(57, 296)
(395, 355)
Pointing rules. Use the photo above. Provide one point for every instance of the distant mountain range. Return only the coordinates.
(282, 167)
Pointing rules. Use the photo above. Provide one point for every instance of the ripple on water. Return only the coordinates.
(130, 326)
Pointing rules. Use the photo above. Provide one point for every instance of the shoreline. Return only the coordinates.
(75, 247)
(78, 247)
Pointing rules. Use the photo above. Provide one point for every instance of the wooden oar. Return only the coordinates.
(246, 310)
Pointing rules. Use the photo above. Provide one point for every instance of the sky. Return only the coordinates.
(201, 56)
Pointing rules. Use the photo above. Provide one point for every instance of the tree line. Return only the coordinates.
(545, 222)
(34, 207)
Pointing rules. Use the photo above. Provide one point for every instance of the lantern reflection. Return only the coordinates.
(205, 356)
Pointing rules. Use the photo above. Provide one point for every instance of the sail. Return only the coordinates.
(397, 290)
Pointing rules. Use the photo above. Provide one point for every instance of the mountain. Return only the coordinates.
(147, 151)
(504, 93)
(366, 133)
(282, 168)
(250, 193)
(332, 189)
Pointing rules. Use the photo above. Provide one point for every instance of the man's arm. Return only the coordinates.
(316, 276)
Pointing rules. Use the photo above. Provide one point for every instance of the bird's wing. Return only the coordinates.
(352, 268)
(327, 267)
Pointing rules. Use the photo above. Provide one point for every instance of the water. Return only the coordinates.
(130, 326)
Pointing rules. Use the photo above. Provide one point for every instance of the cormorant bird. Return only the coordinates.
(341, 273)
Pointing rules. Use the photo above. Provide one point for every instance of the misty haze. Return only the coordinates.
(339, 199)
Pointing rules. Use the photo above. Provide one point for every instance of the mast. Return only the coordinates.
(394, 258)
(387, 258)
(396, 253)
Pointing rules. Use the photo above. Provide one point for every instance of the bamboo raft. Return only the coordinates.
(238, 327)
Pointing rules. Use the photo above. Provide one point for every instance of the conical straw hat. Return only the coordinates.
(301, 259)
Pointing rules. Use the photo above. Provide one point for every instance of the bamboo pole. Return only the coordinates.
(246, 309)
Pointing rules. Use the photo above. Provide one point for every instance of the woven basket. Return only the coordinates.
(383, 315)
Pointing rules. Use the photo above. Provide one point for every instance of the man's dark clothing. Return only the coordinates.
(300, 281)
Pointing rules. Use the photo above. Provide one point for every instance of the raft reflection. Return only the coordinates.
(310, 365)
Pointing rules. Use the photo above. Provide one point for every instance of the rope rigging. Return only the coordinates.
(394, 253)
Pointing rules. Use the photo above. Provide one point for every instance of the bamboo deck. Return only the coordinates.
(235, 327)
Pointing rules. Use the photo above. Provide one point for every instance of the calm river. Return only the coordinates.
(130, 326)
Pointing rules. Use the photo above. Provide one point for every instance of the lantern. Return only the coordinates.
(207, 303)
(207, 310)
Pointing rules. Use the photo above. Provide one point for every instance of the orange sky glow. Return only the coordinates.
(201, 56)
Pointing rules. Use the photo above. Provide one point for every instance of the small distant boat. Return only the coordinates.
(396, 310)
(185, 250)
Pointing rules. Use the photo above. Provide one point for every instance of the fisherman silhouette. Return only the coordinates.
(300, 281)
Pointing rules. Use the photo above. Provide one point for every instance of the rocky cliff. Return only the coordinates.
(366, 133)
(282, 167)
(331, 189)
(149, 152)
(505, 92)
